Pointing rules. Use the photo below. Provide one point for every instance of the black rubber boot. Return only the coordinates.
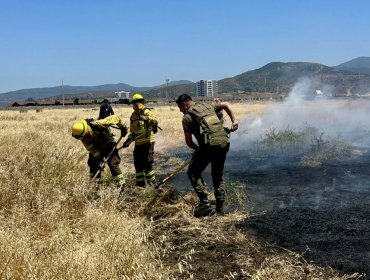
(140, 185)
(204, 205)
(203, 209)
(220, 207)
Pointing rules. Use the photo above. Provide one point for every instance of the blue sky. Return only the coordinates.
(142, 42)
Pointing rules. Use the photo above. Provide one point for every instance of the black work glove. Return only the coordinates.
(89, 120)
(126, 143)
(155, 127)
(123, 131)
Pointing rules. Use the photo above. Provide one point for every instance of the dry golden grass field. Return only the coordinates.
(50, 229)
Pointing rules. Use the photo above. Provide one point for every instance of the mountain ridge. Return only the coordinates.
(274, 77)
(47, 92)
(356, 65)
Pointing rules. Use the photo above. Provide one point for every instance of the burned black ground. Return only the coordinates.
(321, 212)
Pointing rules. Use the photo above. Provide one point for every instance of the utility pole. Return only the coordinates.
(167, 80)
(359, 84)
(63, 93)
(265, 84)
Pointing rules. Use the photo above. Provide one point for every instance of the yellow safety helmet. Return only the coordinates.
(137, 98)
(79, 129)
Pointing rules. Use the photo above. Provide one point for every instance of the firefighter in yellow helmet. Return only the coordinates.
(143, 126)
(99, 141)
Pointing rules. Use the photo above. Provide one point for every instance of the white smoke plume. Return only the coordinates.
(344, 118)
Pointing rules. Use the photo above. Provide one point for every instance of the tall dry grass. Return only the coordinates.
(49, 229)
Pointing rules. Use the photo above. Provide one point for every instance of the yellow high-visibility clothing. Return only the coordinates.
(99, 137)
(141, 130)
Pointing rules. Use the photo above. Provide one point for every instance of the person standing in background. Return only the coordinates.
(106, 109)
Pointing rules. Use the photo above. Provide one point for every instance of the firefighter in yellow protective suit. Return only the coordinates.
(143, 126)
(99, 141)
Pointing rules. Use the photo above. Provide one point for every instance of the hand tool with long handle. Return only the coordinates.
(102, 165)
(157, 185)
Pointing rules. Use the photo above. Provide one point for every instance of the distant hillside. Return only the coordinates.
(172, 91)
(38, 93)
(174, 83)
(357, 65)
(76, 91)
(275, 77)
(281, 77)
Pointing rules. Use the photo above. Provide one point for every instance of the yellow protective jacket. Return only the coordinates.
(102, 140)
(141, 130)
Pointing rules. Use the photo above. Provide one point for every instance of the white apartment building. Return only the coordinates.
(207, 88)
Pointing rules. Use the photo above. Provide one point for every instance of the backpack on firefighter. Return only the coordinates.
(210, 126)
(104, 133)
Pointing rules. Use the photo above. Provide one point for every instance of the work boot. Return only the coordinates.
(140, 184)
(204, 204)
(203, 209)
(220, 209)
(220, 206)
